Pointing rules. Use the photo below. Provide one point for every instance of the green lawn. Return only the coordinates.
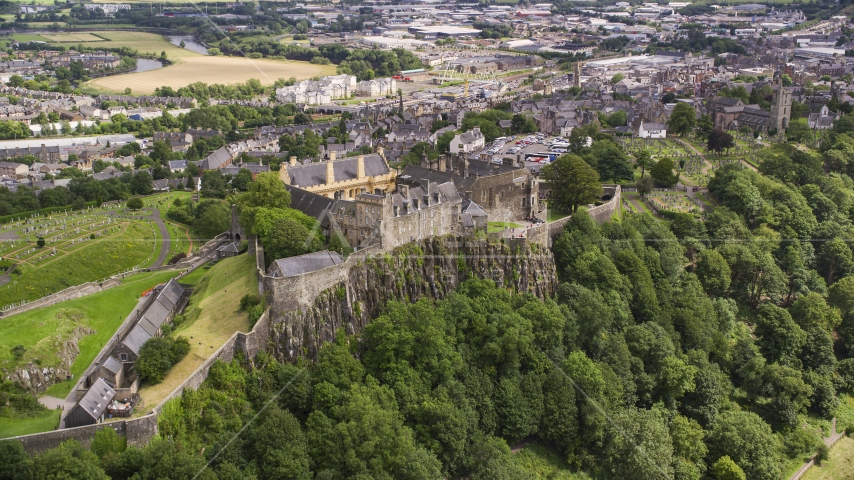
(493, 227)
(12, 427)
(42, 330)
(211, 318)
(90, 261)
(840, 466)
(552, 215)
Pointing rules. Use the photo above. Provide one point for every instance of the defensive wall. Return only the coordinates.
(305, 310)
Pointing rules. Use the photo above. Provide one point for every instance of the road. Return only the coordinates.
(164, 237)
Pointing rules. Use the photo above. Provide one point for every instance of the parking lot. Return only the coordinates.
(520, 145)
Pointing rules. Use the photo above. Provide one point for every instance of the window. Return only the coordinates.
(124, 357)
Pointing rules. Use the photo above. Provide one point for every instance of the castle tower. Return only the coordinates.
(781, 104)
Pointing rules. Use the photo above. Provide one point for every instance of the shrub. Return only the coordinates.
(248, 301)
(91, 236)
(135, 203)
(158, 355)
(18, 351)
(40, 242)
(822, 454)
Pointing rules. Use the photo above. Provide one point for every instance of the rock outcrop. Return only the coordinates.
(36, 378)
(429, 269)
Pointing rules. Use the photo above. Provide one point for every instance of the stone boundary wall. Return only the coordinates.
(138, 432)
(803, 470)
(89, 288)
(293, 293)
(248, 344)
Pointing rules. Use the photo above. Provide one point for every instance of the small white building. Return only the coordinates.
(468, 142)
(652, 130)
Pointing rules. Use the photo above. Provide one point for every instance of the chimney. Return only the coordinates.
(330, 173)
(283, 174)
(465, 168)
(293, 161)
(360, 167)
(332, 156)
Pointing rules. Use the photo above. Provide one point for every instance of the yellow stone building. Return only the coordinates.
(341, 179)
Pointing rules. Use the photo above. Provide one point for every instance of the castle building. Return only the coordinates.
(341, 179)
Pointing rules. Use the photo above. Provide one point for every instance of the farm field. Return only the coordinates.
(210, 319)
(188, 67)
(79, 247)
(42, 330)
(223, 70)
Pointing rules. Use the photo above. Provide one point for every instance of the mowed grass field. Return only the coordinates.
(223, 70)
(212, 316)
(188, 67)
(84, 37)
(42, 330)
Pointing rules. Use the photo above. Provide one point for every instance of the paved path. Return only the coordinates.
(52, 403)
(692, 192)
(829, 441)
(164, 237)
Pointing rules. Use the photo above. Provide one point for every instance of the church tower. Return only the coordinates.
(781, 104)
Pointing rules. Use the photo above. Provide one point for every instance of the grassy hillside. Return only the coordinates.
(41, 330)
(210, 319)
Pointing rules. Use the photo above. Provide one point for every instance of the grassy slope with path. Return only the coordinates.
(90, 261)
(189, 66)
(38, 330)
(211, 318)
(840, 466)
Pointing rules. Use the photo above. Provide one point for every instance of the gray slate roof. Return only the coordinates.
(345, 169)
(97, 399)
(310, 262)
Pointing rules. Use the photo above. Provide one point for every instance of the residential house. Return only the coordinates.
(468, 142)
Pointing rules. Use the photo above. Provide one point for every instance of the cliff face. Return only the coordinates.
(430, 269)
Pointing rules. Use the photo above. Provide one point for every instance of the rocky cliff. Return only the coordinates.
(36, 378)
(430, 269)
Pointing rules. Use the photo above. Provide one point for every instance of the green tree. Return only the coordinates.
(68, 460)
(280, 446)
(749, 442)
(782, 338)
(289, 238)
(214, 220)
(663, 174)
(610, 161)
(638, 446)
(13, 460)
(40, 242)
(683, 119)
(573, 183)
(713, 272)
(266, 191)
(644, 160)
(135, 203)
(726, 469)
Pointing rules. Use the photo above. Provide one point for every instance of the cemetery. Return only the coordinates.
(44, 254)
(672, 202)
